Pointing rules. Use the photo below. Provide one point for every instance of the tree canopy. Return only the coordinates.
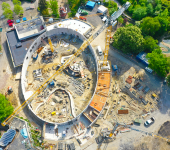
(8, 13)
(16, 2)
(150, 26)
(128, 39)
(168, 79)
(149, 9)
(53, 5)
(18, 9)
(158, 62)
(139, 12)
(5, 108)
(42, 5)
(150, 44)
(112, 10)
(120, 20)
(5, 6)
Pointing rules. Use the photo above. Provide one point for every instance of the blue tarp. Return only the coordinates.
(24, 19)
(114, 67)
(52, 83)
(24, 133)
(90, 4)
(17, 21)
(142, 57)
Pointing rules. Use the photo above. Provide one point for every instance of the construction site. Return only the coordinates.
(70, 92)
(78, 91)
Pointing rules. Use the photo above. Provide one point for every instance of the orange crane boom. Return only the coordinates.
(51, 45)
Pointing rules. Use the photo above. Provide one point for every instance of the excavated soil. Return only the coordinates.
(165, 129)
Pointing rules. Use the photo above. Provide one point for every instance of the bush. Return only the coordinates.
(0, 48)
(6, 108)
(45, 12)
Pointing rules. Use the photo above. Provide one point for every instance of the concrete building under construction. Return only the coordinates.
(74, 99)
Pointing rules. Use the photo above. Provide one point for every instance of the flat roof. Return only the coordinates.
(30, 27)
(77, 25)
(102, 91)
(18, 54)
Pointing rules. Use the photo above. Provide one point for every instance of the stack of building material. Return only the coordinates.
(129, 79)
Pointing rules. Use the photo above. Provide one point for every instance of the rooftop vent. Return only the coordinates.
(18, 45)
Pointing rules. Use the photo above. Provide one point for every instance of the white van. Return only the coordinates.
(99, 50)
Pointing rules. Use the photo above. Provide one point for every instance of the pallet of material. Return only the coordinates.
(124, 111)
(128, 80)
(125, 130)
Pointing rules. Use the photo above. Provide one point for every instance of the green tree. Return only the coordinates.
(164, 25)
(42, 5)
(18, 9)
(150, 44)
(150, 26)
(111, 11)
(110, 4)
(129, 39)
(142, 2)
(120, 20)
(158, 7)
(53, 5)
(139, 13)
(165, 4)
(5, 6)
(158, 62)
(16, 2)
(45, 12)
(150, 9)
(8, 13)
(6, 108)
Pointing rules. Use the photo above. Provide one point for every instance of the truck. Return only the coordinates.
(99, 50)
(150, 121)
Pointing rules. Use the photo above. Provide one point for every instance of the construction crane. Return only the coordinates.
(50, 43)
(109, 23)
(51, 46)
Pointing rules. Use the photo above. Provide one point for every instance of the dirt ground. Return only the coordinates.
(150, 143)
(165, 130)
(64, 80)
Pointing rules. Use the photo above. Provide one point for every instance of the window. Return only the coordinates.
(30, 50)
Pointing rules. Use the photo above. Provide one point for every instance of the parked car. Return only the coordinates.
(82, 18)
(148, 69)
(150, 121)
(82, 12)
(30, 7)
(10, 21)
(10, 24)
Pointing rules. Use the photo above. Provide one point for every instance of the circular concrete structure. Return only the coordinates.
(50, 32)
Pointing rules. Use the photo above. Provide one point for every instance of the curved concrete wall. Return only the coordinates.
(29, 54)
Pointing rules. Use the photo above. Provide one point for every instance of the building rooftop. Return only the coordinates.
(77, 25)
(29, 28)
(17, 48)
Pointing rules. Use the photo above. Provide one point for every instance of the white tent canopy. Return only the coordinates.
(102, 9)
